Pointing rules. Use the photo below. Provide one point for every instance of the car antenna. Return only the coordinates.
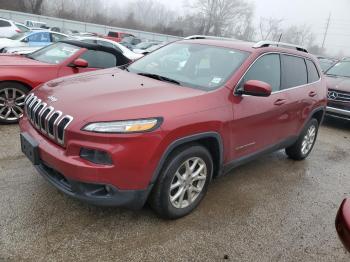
(279, 39)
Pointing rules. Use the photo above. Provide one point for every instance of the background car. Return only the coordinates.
(35, 39)
(326, 62)
(338, 83)
(20, 74)
(141, 47)
(130, 42)
(112, 44)
(38, 24)
(9, 28)
(342, 223)
(117, 36)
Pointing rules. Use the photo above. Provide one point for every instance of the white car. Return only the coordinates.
(109, 43)
(37, 24)
(141, 47)
(9, 28)
(31, 39)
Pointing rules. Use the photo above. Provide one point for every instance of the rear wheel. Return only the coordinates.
(12, 96)
(183, 182)
(305, 143)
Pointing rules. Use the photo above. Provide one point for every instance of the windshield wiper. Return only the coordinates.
(161, 78)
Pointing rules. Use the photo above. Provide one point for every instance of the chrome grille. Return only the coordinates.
(46, 119)
(340, 96)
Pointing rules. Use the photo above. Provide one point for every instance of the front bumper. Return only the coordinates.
(95, 194)
(338, 113)
(126, 183)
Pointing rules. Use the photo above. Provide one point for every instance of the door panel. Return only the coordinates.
(257, 121)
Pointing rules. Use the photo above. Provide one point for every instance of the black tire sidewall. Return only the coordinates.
(169, 173)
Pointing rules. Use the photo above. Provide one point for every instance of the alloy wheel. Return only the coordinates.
(11, 104)
(188, 182)
(308, 140)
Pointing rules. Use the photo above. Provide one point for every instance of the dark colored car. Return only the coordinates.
(342, 223)
(130, 42)
(20, 74)
(338, 82)
(326, 62)
(162, 129)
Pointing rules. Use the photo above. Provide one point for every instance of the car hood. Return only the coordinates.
(113, 94)
(22, 49)
(338, 83)
(18, 60)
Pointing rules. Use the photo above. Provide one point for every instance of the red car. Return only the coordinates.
(117, 36)
(20, 74)
(171, 121)
(338, 82)
(342, 223)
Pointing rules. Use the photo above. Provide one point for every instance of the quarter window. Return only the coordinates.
(313, 75)
(266, 69)
(294, 71)
(99, 59)
(57, 37)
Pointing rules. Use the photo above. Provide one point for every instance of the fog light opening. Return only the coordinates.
(96, 156)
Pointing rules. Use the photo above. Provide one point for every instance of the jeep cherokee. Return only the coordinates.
(164, 126)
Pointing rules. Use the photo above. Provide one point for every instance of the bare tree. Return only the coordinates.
(34, 6)
(270, 28)
(300, 35)
(218, 16)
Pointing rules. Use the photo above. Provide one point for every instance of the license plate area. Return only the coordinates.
(30, 148)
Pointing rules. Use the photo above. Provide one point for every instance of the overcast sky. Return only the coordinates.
(312, 12)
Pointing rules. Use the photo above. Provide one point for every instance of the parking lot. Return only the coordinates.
(272, 209)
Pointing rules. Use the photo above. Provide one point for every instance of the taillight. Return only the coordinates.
(18, 31)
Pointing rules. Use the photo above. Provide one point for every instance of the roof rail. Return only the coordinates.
(279, 44)
(194, 37)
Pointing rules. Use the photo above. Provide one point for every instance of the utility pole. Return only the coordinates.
(326, 32)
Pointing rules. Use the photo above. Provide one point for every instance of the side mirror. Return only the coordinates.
(25, 40)
(256, 88)
(80, 63)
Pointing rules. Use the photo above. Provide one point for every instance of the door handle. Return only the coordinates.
(280, 102)
(312, 94)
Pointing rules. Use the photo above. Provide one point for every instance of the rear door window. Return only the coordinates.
(42, 37)
(4, 23)
(266, 69)
(294, 71)
(313, 75)
(99, 59)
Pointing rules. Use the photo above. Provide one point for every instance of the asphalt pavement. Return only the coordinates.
(272, 209)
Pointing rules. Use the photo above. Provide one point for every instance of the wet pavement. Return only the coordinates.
(272, 209)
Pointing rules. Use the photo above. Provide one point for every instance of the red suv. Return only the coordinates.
(163, 127)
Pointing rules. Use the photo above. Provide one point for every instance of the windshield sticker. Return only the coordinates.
(216, 80)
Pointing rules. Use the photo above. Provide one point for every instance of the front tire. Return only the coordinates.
(305, 143)
(12, 96)
(183, 182)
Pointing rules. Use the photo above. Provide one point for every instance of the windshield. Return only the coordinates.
(325, 63)
(199, 66)
(54, 54)
(341, 69)
(17, 36)
(144, 45)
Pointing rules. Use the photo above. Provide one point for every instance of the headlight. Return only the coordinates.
(127, 126)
